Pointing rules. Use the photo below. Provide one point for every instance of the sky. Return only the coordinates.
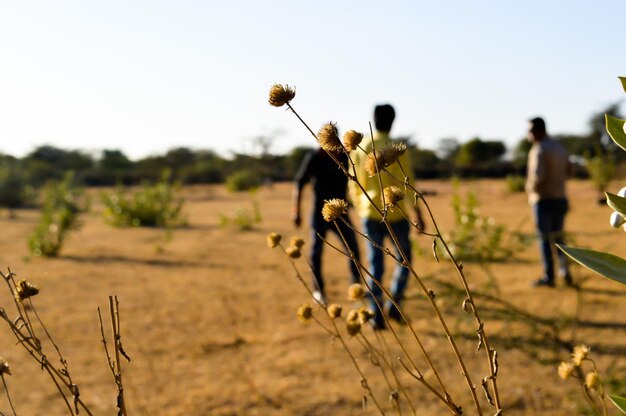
(148, 76)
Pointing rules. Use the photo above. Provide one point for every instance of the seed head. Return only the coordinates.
(393, 195)
(351, 139)
(566, 369)
(334, 208)
(353, 315)
(328, 138)
(374, 162)
(365, 315)
(4, 367)
(353, 327)
(25, 290)
(592, 380)
(580, 353)
(305, 313)
(356, 291)
(273, 239)
(297, 242)
(281, 94)
(334, 311)
(392, 152)
(293, 252)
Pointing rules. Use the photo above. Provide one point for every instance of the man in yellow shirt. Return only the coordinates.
(384, 116)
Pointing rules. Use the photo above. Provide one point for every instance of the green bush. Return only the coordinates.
(14, 190)
(244, 219)
(515, 183)
(243, 180)
(152, 206)
(477, 238)
(61, 206)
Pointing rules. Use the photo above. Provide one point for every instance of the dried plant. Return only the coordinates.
(358, 320)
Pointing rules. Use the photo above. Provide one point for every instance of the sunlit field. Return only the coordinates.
(208, 313)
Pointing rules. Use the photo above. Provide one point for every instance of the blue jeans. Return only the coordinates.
(321, 227)
(549, 219)
(377, 232)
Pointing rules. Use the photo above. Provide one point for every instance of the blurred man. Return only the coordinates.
(548, 167)
(384, 116)
(329, 182)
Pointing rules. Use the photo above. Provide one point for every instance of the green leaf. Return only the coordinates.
(615, 128)
(618, 203)
(623, 79)
(619, 402)
(602, 263)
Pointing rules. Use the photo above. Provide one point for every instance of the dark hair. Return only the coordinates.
(538, 123)
(383, 117)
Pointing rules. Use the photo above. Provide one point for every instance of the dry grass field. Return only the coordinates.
(208, 317)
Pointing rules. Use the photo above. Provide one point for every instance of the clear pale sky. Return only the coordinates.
(147, 76)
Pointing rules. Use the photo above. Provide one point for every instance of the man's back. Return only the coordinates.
(548, 167)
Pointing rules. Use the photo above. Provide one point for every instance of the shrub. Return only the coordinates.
(243, 180)
(475, 237)
(14, 191)
(152, 206)
(243, 219)
(515, 183)
(61, 206)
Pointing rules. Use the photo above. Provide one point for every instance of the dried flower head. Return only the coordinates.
(334, 208)
(293, 252)
(351, 139)
(25, 290)
(297, 242)
(393, 195)
(566, 369)
(353, 315)
(328, 138)
(273, 239)
(592, 380)
(365, 315)
(281, 94)
(334, 311)
(580, 353)
(305, 313)
(392, 152)
(356, 291)
(374, 162)
(4, 367)
(353, 327)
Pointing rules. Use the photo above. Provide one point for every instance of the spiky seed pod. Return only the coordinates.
(305, 313)
(334, 208)
(592, 380)
(293, 252)
(374, 162)
(297, 242)
(4, 367)
(580, 353)
(353, 327)
(392, 152)
(566, 369)
(356, 291)
(25, 290)
(334, 311)
(365, 315)
(273, 239)
(328, 138)
(351, 139)
(393, 195)
(353, 315)
(281, 94)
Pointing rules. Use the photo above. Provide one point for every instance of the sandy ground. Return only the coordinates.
(208, 317)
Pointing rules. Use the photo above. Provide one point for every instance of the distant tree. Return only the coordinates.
(476, 153)
(448, 148)
(424, 162)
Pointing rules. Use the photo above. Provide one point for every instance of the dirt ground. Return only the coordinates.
(208, 316)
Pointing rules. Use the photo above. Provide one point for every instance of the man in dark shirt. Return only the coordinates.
(329, 182)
